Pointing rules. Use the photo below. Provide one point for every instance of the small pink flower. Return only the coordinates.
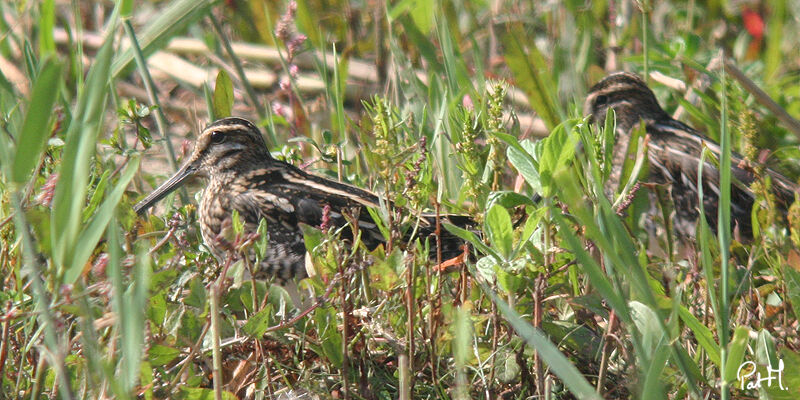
(99, 266)
(285, 84)
(279, 109)
(45, 197)
(295, 44)
(326, 218)
(466, 101)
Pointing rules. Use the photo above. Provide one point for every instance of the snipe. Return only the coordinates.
(243, 176)
(674, 156)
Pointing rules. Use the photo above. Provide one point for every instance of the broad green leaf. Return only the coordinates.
(330, 340)
(646, 321)
(788, 388)
(223, 95)
(558, 151)
(258, 324)
(704, 336)
(508, 199)
(161, 355)
(527, 167)
(187, 393)
(736, 351)
(197, 295)
(499, 229)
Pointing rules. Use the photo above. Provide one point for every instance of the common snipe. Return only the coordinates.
(243, 176)
(674, 156)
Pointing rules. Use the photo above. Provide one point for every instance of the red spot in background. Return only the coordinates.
(753, 23)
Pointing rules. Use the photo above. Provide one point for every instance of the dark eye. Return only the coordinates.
(217, 137)
(600, 100)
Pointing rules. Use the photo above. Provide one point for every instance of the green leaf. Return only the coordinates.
(558, 151)
(704, 336)
(258, 324)
(197, 295)
(223, 95)
(190, 326)
(509, 199)
(125, 8)
(161, 355)
(523, 160)
(790, 378)
(330, 339)
(792, 279)
(382, 274)
(236, 221)
(203, 394)
(646, 321)
(35, 129)
(499, 229)
(157, 309)
(736, 350)
(471, 238)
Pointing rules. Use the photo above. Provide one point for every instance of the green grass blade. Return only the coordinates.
(79, 149)
(704, 336)
(92, 233)
(132, 322)
(35, 130)
(47, 45)
(172, 20)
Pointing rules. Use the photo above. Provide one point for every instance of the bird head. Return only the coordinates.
(224, 145)
(630, 98)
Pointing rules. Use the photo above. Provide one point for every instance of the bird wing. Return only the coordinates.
(674, 155)
(284, 256)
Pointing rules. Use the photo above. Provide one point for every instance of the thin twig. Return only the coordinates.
(601, 377)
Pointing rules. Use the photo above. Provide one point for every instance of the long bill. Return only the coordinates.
(166, 188)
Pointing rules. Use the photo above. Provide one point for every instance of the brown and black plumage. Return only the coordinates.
(674, 155)
(243, 176)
